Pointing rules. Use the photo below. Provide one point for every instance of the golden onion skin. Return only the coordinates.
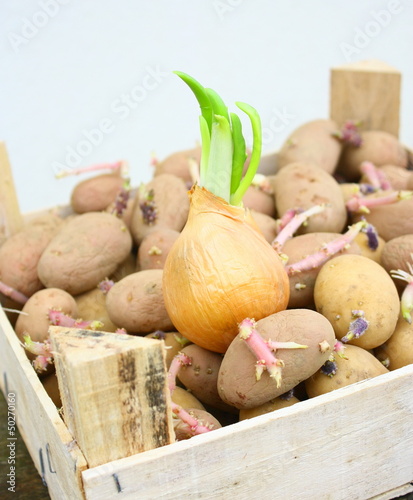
(220, 271)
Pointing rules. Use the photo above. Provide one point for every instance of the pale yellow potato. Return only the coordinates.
(352, 288)
(91, 306)
(359, 365)
(273, 405)
(184, 398)
(362, 241)
(398, 350)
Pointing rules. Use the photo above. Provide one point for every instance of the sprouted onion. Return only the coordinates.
(221, 269)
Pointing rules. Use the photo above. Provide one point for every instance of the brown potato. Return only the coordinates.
(96, 193)
(20, 254)
(397, 176)
(397, 351)
(354, 292)
(34, 321)
(136, 303)
(397, 254)
(179, 164)
(126, 267)
(378, 147)
(266, 224)
(259, 200)
(237, 381)
(154, 248)
(87, 250)
(391, 220)
(168, 206)
(270, 406)
(359, 365)
(200, 377)
(302, 283)
(313, 142)
(303, 185)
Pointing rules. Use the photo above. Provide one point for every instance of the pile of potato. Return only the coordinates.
(59, 263)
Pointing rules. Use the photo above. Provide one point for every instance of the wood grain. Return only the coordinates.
(114, 391)
(355, 442)
(55, 454)
(11, 219)
(366, 91)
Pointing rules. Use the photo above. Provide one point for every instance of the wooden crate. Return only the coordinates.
(356, 442)
(353, 443)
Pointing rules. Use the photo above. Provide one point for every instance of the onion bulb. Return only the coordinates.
(220, 271)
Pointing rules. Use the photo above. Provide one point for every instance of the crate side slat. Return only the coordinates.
(56, 457)
(353, 443)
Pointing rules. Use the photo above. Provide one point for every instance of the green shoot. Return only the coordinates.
(223, 145)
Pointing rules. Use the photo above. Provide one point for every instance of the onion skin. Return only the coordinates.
(220, 271)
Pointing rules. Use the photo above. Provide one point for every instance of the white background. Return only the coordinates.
(66, 65)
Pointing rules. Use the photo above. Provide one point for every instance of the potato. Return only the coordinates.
(273, 405)
(349, 190)
(397, 176)
(313, 142)
(174, 342)
(126, 267)
(390, 220)
(363, 242)
(302, 283)
(86, 250)
(351, 290)
(397, 253)
(20, 254)
(179, 164)
(91, 306)
(359, 365)
(136, 303)
(200, 377)
(378, 147)
(237, 382)
(303, 185)
(154, 248)
(260, 200)
(34, 321)
(397, 351)
(168, 206)
(96, 193)
(266, 224)
(184, 398)
(183, 430)
(126, 216)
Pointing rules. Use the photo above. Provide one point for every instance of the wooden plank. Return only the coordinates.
(396, 493)
(52, 448)
(355, 442)
(368, 91)
(114, 390)
(11, 219)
